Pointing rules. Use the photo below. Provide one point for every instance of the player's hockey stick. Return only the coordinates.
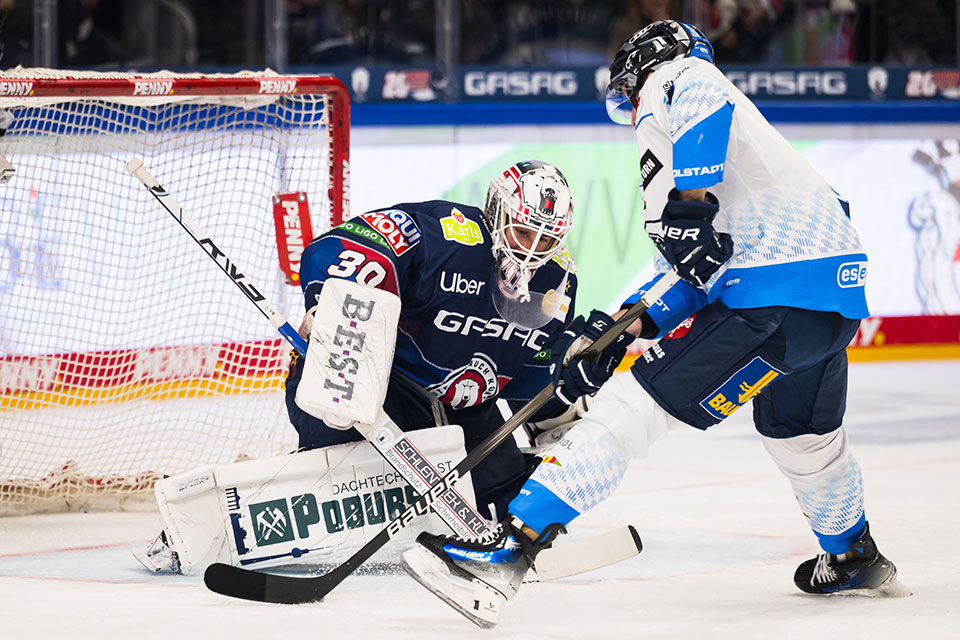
(399, 452)
(264, 587)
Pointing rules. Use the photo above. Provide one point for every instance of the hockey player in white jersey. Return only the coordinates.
(772, 291)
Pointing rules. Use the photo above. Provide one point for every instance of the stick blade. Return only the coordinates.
(581, 556)
(236, 583)
(240, 583)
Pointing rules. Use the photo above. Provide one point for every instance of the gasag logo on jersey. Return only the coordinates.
(520, 83)
(689, 172)
(461, 229)
(650, 166)
(453, 322)
(397, 228)
(740, 388)
(458, 283)
(469, 385)
(852, 274)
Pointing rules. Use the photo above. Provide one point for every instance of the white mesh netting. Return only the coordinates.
(125, 353)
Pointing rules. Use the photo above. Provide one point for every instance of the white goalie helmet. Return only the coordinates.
(529, 212)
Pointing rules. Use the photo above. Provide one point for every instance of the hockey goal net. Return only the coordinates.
(125, 354)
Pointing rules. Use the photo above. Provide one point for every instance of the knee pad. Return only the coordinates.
(630, 414)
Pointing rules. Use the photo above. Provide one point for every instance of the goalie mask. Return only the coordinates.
(649, 48)
(528, 213)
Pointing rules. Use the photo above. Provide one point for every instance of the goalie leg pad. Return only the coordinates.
(312, 507)
(348, 359)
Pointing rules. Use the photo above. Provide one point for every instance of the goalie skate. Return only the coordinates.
(158, 556)
(861, 571)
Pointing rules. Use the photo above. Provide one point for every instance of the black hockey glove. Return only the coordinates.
(689, 242)
(582, 376)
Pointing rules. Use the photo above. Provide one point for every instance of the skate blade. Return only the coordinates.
(476, 601)
(892, 589)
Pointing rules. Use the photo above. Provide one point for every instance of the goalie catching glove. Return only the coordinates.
(688, 240)
(576, 376)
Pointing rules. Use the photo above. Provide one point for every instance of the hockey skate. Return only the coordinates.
(159, 557)
(862, 570)
(476, 578)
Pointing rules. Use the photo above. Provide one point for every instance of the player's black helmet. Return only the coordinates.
(653, 46)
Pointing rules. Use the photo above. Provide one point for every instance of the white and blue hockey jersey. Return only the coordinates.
(794, 244)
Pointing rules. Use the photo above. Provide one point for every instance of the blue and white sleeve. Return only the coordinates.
(680, 302)
(700, 114)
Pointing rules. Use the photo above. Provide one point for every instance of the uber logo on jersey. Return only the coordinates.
(457, 283)
(649, 167)
(852, 274)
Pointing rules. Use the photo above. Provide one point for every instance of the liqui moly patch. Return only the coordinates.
(396, 227)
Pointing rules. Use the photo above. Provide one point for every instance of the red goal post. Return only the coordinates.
(124, 355)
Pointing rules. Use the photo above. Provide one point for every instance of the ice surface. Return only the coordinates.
(721, 531)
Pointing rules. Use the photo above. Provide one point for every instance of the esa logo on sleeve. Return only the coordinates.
(852, 274)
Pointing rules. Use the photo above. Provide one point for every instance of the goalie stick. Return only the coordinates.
(388, 439)
(265, 587)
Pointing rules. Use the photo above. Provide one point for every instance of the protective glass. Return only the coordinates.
(619, 107)
(518, 305)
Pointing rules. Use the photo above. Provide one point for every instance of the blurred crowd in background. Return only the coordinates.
(296, 34)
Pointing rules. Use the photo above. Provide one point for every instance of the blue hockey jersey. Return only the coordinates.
(436, 257)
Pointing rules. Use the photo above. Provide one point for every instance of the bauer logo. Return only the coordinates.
(852, 274)
(152, 87)
(460, 229)
(740, 388)
(16, 88)
(278, 86)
